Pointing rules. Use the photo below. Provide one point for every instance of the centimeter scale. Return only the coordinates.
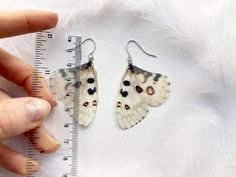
(56, 50)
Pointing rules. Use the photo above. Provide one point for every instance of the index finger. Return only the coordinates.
(22, 22)
(21, 73)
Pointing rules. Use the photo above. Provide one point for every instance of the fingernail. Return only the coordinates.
(38, 110)
(54, 102)
(48, 143)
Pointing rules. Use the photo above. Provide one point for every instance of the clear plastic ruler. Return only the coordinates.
(51, 54)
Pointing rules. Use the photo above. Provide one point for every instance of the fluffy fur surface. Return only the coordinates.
(204, 31)
(194, 134)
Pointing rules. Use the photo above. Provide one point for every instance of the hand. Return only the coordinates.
(19, 115)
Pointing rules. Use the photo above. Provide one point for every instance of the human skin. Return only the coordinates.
(20, 115)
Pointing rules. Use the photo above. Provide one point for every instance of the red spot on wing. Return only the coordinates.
(150, 90)
(94, 103)
(86, 104)
(118, 104)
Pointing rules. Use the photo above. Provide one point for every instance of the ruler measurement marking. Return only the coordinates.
(40, 39)
(40, 53)
(39, 49)
(41, 67)
(40, 59)
(71, 142)
(75, 137)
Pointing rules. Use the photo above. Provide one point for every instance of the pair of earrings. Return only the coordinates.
(139, 90)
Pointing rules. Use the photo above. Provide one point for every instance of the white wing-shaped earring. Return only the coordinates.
(139, 90)
(61, 85)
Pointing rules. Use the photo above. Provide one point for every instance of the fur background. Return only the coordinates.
(194, 133)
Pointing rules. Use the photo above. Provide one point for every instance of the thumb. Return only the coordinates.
(20, 115)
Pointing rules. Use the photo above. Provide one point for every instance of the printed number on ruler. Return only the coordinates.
(51, 55)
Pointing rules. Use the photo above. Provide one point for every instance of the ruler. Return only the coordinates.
(51, 54)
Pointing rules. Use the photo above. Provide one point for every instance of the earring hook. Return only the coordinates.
(90, 56)
(129, 55)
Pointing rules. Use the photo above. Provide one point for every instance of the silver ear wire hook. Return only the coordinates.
(90, 56)
(129, 55)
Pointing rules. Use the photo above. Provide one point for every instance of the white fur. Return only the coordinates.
(206, 32)
(194, 133)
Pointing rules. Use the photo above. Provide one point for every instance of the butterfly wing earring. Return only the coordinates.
(139, 90)
(61, 85)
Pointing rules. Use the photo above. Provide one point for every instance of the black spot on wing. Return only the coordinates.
(126, 83)
(127, 107)
(91, 91)
(139, 89)
(90, 80)
(157, 76)
(124, 94)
